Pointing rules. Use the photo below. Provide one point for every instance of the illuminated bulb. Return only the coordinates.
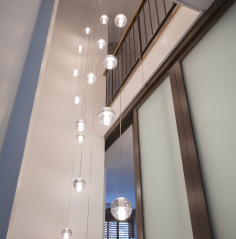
(91, 78)
(66, 233)
(87, 30)
(104, 19)
(121, 208)
(120, 20)
(79, 184)
(77, 100)
(80, 48)
(110, 62)
(75, 72)
(80, 137)
(101, 44)
(80, 125)
(106, 116)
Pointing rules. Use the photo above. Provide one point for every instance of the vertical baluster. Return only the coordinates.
(144, 24)
(106, 91)
(112, 83)
(139, 37)
(115, 78)
(134, 45)
(130, 51)
(119, 67)
(164, 6)
(122, 68)
(150, 16)
(157, 13)
(110, 86)
(125, 59)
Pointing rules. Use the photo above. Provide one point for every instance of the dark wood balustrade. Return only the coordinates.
(146, 24)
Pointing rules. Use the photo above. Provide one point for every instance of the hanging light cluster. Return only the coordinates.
(121, 208)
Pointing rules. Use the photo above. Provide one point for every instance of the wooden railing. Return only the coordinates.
(150, 17)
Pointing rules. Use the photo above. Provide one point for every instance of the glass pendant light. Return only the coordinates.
(80, 48)
(121, 208)
(80, 137)
(79, 184)
(104, 19)
(75, 72)
(66, 233)
(87, 30)
(80, 125)
(91, 78)
(101, 44)
(120, 20)
(77, 100)
(110, 62)
(106, 116)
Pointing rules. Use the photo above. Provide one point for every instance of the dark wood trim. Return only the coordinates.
(114, 134)
(137, 176)
(196, 199)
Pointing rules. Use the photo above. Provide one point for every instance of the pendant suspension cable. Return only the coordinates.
(72, 168)
(81, 42)
(84, 107)
(87, 65)
(72, 172)
(120, 121)
(91, 160)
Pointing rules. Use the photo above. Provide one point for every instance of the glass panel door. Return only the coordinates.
(209, 72)
(165, 204)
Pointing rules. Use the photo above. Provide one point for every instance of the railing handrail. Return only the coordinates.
(123, 49)
(128, 28)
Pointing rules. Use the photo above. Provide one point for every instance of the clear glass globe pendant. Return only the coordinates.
(121, 208)
(120, 20)
(110, 62)
(66, 233)
(75, 72)
(104, 19)
(106, 116)
(91, 78)
(80, 125)
(79, 184)
(80, 48)
(101, 44)
(87, 30)
(77, 100)
(80, 137)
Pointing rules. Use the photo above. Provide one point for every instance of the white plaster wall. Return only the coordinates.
(17, 20)
(42, 196)
(173, 33)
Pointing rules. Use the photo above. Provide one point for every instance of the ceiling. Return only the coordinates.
(113, 172)
(199, 4)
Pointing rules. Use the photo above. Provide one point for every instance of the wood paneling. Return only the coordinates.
(196, 199)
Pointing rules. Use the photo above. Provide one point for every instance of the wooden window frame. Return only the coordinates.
(200, 221)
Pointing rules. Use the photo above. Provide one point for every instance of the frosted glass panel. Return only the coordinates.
(210, 78)
(165, 205)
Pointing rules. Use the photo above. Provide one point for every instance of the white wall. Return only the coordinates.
(42, 195)
(17, 21)
(178, 26)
